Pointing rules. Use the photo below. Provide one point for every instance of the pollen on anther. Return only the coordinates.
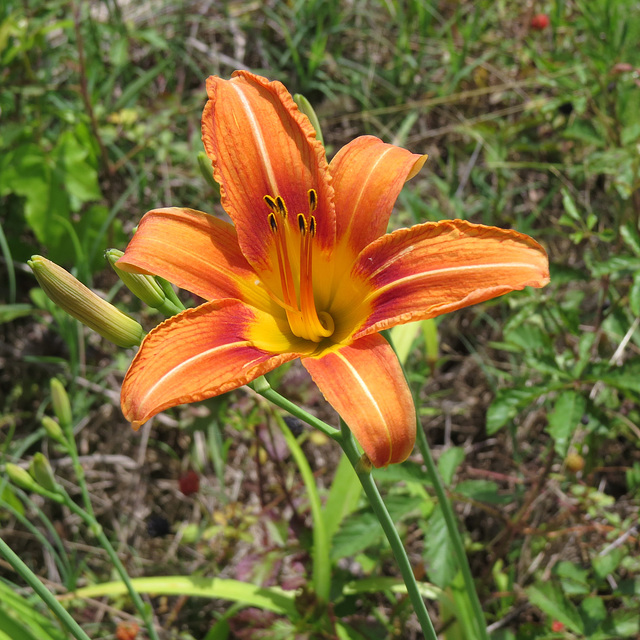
(271, 203)
(302, 224)
(312, 226)
(313, 200)
(282, 208)
(273, 222)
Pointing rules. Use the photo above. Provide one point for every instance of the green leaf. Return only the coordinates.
(570, 205)
(9, 312)
(607, 564)
(343, 497)
(625, 377)
(631, 237)
(267, 598)
(509, 402)
(483, 491)
(358, 532)
(550, 599)
(403, 337)
(564, 419)
(449, 461)
(634, 295)
(438, 553)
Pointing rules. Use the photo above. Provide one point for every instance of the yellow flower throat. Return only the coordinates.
(304, 319)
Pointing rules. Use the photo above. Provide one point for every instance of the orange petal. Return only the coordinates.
(368, 175)
(194, 251)
(198, 354)
(366, 386)
(434, 268)
(260, 144)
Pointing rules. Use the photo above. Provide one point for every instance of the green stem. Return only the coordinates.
(321, 559)
(379, 508)
(96, 529)
(287, 405)
(47, 597)
(454, 533)
(346, 441)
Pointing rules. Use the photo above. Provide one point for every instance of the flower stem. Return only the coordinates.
(454, 533)
(95, 528)
(47, 597)
(321, 542)
(346, 441)
(379, 508)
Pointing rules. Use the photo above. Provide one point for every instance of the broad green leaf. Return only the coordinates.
(343, 497)
(267, 598)
(625, 377)
(358, 532)
(631, 237)
(564, 419)
(509, 402)
(607, 564)
(449, 461)
(570, 205)
(438, 553)
(482, 491)
(550, 599)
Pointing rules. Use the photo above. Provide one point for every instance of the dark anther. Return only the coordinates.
(312, 226)
(313, 199)
(271, 203)
(272, 222)
(280, 204)
(302, 223)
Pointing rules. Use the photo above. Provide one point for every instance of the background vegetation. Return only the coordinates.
(530, 402)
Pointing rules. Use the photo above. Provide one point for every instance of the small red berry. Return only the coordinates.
(189, 483)
(540, 21)
(556, 625)
(127, 631)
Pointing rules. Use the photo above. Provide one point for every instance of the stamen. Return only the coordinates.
(300, 306)
(313, 199)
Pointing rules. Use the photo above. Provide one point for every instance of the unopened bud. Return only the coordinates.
(206, 169)
(41, 472)
(305, 107)
(83, 304)
(20, 477)
(61, 404)
(142, 286)
(53, 429)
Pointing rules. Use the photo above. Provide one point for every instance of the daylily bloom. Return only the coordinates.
(307, 271)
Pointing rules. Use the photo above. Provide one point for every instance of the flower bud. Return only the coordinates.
(83, 304)
(20, 477)
(53, 429)
(41, 472)
(142, 286)
(61, 404)
(305, 107)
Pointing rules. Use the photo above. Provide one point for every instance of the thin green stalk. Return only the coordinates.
(47, 597)
(454, 533)
(321, 559)
(379, 508)
(346, 441)
(96, 529)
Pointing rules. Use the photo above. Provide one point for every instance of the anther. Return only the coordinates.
(312, 226)
(281, 206)
(313, 200)
(302, 224)
(273, 223)
(271, 203)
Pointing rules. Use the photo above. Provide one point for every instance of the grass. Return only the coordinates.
(530, 406)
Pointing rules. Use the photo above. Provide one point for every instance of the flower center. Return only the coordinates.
(297, 297)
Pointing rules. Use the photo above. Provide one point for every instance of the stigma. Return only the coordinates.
(294, 252)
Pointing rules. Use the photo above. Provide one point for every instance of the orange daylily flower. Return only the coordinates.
(307, 271)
